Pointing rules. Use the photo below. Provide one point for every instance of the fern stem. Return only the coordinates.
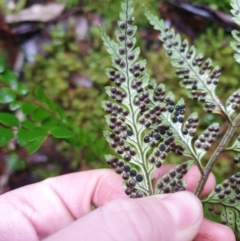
(138, 136)
(216, 154)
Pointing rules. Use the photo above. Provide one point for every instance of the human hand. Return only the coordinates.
(61, 209)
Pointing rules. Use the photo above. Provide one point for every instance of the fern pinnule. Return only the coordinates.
(143, 119)
(132, 96)
(198, 76)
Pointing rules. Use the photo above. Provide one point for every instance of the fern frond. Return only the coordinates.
(132, 97)
(199, 76)
(236, 33)
(224, 201)
(142, 118)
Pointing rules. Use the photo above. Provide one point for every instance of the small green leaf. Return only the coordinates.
(36, 134)
(28, 108)
(8, 119)
(61, 132)
(24, 137)
(15, 105)
(41, 96)
(28, 124)
(35, 145)
(52, 105)
(40, 114)
(2, 67)
(22, 89)
(5, 136)
(50, 123)
(9, 77)
(6, 96)
(61, 114)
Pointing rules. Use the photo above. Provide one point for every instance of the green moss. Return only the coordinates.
(64, 71)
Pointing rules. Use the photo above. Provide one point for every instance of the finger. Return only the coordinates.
(161, 217)
(214, 231)
(192, 177)
(44, 208)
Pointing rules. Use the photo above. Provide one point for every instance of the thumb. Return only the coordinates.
(175, 217)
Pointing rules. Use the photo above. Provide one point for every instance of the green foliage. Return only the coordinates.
(6, 96)
(199, 77)
(66, 66)
(42, 117)
(189, 66)
(6, 136)
(147, 123)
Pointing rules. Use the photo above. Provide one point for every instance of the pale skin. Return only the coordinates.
(61, 209)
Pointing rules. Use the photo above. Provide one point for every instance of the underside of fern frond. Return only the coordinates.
(146, 124)
(225, 198)
(224, 201)
(198, 76)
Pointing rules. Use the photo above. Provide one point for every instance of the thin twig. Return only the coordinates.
(215, 156)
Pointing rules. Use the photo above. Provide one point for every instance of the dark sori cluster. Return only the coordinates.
(191, 126)
(132, 178)
(161, 134)
(234, 101)
(229, 191)
(207, 138)
(121, 130)
(172, 181)
(130, 175)
(138, 133)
